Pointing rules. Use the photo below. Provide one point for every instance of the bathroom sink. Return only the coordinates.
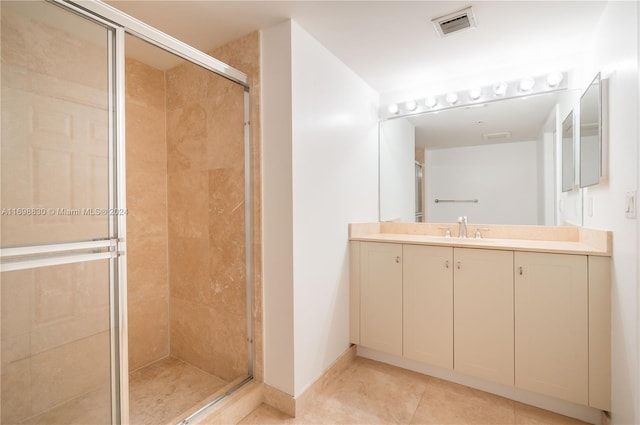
(461, 240)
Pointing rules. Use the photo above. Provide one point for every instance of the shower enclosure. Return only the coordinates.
(126, 269)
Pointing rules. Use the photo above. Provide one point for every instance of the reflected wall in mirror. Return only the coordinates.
(501, 153)
(396, 141)
(591, 134)
(568, 143)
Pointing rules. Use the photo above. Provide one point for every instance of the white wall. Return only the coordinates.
(320, 173)
(397, 171)
(546, 179)
(614, 51)
(335, 182)
(277, 206)
(501, 176)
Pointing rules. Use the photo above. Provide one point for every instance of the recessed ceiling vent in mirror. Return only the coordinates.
(492, 137)
(453, 22)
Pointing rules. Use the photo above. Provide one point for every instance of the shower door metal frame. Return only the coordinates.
(108, 248)
(124, 24)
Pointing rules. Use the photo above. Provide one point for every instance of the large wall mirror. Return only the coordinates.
(591, 134)
(496, 162)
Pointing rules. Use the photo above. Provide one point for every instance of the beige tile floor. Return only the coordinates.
(370, 392)
(165, 389)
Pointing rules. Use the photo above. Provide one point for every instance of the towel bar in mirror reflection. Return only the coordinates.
(517, 176)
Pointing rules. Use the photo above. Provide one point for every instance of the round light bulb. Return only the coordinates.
(554, 79)
(475, 93)
(411, 105)
(393, 108)
(500, 89)
(526, 84)
(452, 98)
(431, 102)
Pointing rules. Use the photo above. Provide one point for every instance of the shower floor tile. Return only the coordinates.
(165, 389)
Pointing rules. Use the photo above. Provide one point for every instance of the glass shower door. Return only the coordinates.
(58, 227)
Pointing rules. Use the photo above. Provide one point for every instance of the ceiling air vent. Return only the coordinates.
(494, 137)
(453, 22)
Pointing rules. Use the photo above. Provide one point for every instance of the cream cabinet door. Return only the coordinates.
(551, 321)
(381, 296)
(428, 304)
(483, 318)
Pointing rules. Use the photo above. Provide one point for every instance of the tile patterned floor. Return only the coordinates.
(164, 389)
(370, 392)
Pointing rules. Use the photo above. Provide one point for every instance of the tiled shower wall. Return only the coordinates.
(54, 320)
(205, 138)
(185, 194)
(147, 268)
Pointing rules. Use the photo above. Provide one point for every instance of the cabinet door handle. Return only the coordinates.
(458, 265)
(520, 271)
(446, 264)
(398, 259)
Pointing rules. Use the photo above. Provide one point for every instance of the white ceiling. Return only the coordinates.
(392, 44)
(394, 47)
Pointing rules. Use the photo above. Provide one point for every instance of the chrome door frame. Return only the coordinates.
(123, 24)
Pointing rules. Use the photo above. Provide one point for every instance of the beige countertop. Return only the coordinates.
(564, 240)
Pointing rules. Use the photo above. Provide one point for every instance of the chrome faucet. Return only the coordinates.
(462, 227)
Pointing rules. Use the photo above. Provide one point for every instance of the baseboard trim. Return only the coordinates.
(295, 406)
(280, 400)
(330, 375)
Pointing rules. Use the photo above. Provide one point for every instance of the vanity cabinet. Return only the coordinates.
(427, 325)
(483, 320)
(407, 298)
(551, 325)
(536, 321)
(381, 297)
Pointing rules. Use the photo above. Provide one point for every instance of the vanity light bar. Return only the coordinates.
(501, 90)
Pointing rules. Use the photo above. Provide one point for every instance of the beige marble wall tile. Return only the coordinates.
(92, 408)
(147, 239)
(147, 267)
(54, 152)
(148, 341)
(188, 202)
(189, 271)
(52, 50)
(69, 371)
(16, 391)
(209, 340)
(244, 54)
(205, 145)
(63, 314)
(17, 304)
